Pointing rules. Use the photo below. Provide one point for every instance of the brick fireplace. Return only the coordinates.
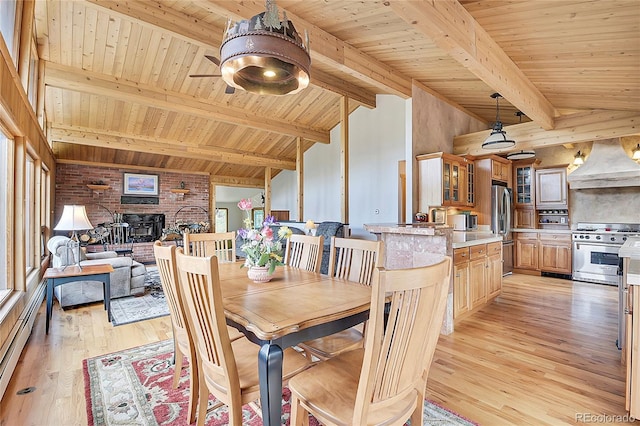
(103, 203)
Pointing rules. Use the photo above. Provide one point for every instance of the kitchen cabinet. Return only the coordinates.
(551, 188)
(461, 303)
(524, 218)
(500, 170)
(543, 251)
(471, 191)
(477, 275)
(442, 180)
(494, 270)
(631, 350)
(526, 250)
(555, 253)
(523, 183)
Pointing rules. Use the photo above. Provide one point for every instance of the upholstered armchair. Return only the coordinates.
(126, 279)
(328, 230)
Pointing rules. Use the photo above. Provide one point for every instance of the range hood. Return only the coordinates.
(608, 166)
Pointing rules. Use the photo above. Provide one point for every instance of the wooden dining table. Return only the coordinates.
(295, 306)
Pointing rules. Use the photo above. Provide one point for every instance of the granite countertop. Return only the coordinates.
(419, 228)
(543, 231)
(465, 239)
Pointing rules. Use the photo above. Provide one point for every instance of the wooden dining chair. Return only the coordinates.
(219, 244)
(304, 252)
(183, 342)
(228, 370)
(384, 382)
(353, 260)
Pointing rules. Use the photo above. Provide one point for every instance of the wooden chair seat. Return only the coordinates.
(353, 260)
(330, 346)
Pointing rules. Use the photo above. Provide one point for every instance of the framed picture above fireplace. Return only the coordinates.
(137, 184)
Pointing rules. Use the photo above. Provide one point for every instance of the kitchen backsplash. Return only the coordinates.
(615, 205)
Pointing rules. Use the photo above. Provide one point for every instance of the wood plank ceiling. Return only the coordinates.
(118, 90)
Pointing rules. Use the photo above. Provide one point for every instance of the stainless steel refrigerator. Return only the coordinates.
(501, 210)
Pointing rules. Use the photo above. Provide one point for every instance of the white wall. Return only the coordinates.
(377, 141)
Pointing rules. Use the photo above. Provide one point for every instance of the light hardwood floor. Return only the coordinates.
(542, 353)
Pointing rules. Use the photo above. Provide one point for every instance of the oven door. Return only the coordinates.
(596, 263)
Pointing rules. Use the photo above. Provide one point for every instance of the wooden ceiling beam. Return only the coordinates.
(153, 15)
(69, 78)
(327, 49)
(453, 29)
(114, 140)
(570, 129)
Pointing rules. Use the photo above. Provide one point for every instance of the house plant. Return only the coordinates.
(263, 251)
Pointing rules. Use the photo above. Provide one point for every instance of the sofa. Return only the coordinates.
(127, 278)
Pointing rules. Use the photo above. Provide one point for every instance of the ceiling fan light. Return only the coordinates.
(521, 155)
(264, 55)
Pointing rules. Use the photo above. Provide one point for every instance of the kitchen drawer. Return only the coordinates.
(526, 235)
(460, 255)
(494, 248)
(560, 238)
(477, 252)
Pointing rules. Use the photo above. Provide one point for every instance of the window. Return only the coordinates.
(6, 159)
(44, 208)
(32, 84)
(8, 21)
(30, 212)
(222, 220)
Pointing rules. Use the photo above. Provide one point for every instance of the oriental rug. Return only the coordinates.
(134, 387)
(151, 304)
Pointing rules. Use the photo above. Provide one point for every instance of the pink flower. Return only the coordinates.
(245, 204)
(267, 233)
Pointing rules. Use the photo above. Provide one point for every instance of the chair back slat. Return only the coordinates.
(304, 252)
(219, 244)
(354, 259)
(200, 284)
(397, 358)
(166, 263)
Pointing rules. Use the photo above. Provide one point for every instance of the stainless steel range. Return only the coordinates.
(595, 250)
(595, 258)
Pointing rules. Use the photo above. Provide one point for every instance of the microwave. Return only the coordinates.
(464, 222)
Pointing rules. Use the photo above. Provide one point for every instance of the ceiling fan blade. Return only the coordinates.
(230, 90)
(205, 75)
(213, 59)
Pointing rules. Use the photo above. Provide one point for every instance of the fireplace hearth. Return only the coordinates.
(144, 228)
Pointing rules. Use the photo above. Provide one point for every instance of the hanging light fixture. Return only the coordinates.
(498, 138)
(521, 155)
(636, 153)
(578, 159)
(265, 55)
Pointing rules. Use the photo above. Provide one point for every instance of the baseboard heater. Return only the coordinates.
(10, 352)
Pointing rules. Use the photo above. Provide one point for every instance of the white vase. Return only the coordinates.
(259, 274)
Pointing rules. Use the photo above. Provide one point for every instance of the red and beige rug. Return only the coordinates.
(133, 387)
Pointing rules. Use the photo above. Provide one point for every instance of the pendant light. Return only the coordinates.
(265, 55)
(498, 138)
(522, 154)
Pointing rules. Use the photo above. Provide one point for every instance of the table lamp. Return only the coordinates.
(311, 227)
(74, 218)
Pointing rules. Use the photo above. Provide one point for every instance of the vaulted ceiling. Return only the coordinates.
(118, 90)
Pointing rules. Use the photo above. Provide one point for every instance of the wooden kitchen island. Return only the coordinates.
(420, 244)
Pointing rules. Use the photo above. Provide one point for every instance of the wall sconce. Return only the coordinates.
(636, 153)
(578, 159)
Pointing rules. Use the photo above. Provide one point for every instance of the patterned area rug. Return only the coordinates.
(151, 304)
(133, 387)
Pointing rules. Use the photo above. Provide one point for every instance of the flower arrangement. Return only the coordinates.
(260, 245)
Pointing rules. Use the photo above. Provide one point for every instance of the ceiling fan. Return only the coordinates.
(230, 89)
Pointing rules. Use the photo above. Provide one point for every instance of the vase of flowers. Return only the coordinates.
(263, 251)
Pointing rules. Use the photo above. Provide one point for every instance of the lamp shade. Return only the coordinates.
(74, 218)
(498, 139)
(310, 224)
(636, 153)
(578, 159)
(521, 155)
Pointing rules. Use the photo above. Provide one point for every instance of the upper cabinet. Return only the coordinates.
(500, 170)
(523, 187)
(551, 188)
(443, 180)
